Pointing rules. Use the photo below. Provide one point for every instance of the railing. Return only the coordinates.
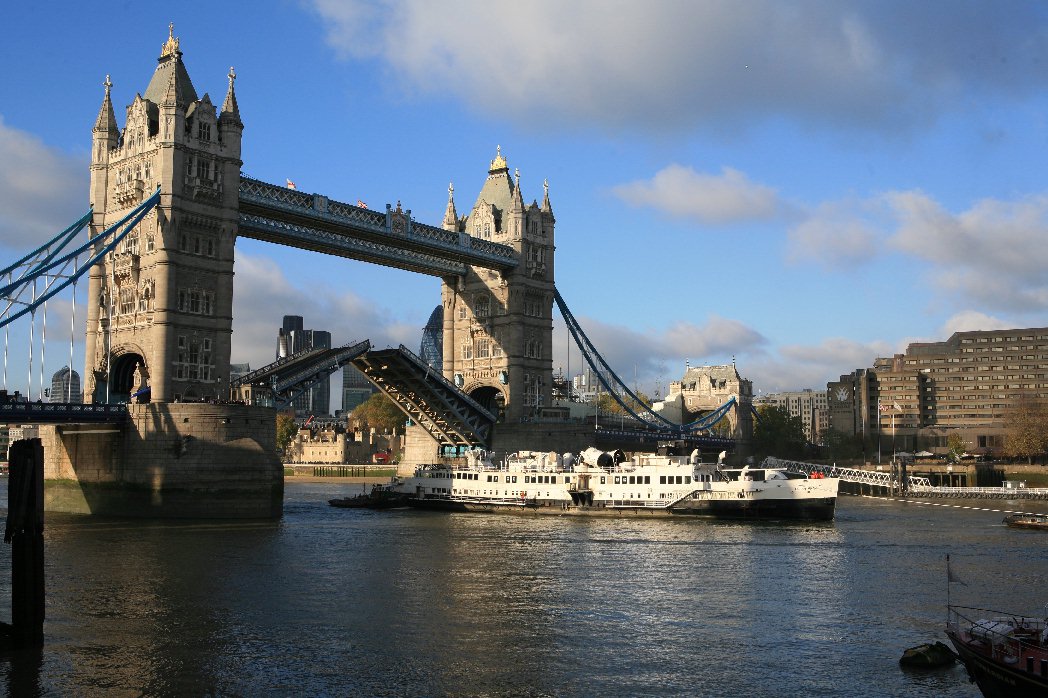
(862, 477)
(321, 208)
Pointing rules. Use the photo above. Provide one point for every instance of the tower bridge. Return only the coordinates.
(159, 316)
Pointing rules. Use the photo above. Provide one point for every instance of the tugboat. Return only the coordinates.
(380, 497)
(1005, 654)
(600, 483)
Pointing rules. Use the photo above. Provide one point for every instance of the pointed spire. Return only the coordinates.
(106, 120)
(518, 201)
(230, 110)
(450, 215)
(545, 197)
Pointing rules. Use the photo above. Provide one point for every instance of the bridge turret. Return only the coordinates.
(162, 301)
(498, 327)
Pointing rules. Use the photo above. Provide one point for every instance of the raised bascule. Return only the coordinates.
(168, 203)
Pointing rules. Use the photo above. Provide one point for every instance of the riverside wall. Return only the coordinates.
(169, 460)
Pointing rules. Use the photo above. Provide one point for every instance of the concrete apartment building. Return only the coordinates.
(966, 385)
(811, 406)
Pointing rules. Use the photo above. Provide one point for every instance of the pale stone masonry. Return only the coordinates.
(160, 306)
(170, 460)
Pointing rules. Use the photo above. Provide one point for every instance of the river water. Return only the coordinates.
(405, 603)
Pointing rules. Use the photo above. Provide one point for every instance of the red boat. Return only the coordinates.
(1006, 655)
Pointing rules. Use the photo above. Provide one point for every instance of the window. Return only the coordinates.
(481, 305)
(203, 168)
(483, 348)
(462, 311)
(204, 131)
(467, 350)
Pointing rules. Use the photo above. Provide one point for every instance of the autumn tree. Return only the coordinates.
(1027, 429)
(286, 430)
(378, 412)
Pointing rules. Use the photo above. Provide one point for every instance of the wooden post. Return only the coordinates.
(25, 532)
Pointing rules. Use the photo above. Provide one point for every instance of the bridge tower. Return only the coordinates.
(498, 327)
(160, 308)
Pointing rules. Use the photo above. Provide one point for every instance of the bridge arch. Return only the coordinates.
(490, 398)
(122, 371)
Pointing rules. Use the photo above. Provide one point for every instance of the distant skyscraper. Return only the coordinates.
(65, 386)
(356, 389)
(432, 349)
(291, 339)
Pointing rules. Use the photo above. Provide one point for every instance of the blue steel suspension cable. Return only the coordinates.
(129, 222)
(592, 357)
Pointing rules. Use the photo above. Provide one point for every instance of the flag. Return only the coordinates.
(361, 204)
(896, 406)
(951, 578)
(291, 185)
(881, 408)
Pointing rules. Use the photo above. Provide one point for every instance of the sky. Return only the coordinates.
(799, 187)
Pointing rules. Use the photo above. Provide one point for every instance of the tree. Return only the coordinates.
(286, 430)
(956, 446)
(778, 434)
(378, 412)
(609, 405)
(1027, 434)
(838, 446)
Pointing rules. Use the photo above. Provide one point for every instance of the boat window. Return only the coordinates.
(633, 480)
(679, 479)
(647, 479)
(662, 479)
(602, 479)
(553, 479)
(757, 475)
(496, 479)
(687, 479)
(489, 478)
(514, 478)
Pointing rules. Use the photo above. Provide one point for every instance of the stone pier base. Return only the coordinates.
(170, 460)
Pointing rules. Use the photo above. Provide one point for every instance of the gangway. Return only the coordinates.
(875, 478)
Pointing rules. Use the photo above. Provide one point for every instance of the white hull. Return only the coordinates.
(645, 486)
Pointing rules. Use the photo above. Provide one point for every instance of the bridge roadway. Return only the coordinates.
(285, 216)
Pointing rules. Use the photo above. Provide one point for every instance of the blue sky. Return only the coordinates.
(802, 186)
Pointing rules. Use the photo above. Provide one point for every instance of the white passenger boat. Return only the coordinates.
(599, 483)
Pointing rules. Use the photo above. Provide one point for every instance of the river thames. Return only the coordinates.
(406, 603)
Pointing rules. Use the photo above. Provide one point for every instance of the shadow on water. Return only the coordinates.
(333, 601)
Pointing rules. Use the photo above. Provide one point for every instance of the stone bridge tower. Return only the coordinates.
(498, 328)
(160, 305)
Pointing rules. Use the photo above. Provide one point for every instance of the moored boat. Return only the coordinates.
(1032, 521)
(599, 483)
(384, 497)
(1005, 654)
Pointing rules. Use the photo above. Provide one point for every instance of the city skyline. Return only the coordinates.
(804, 190)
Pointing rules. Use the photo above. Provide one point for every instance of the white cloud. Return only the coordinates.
(796, 367)
(262, 295)
(681, 191)
(835, 234)
(42, 190)
(589, 63)
(643, 356)
(993, 253)
(973, 320)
